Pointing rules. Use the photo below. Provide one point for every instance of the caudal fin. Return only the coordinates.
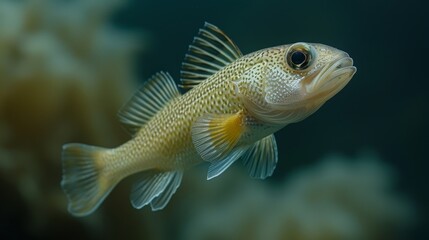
(84, 179)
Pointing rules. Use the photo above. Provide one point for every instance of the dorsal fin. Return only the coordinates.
(210, 51)
(147, 101)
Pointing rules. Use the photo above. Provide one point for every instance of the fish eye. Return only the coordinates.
(299, 56)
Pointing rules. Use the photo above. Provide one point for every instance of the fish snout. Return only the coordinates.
(333, 76)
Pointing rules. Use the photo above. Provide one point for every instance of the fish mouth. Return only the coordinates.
(329, 80)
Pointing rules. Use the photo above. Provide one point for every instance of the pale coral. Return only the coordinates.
(64, 73)
(341, 198)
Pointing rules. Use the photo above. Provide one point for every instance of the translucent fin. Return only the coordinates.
(261, 158)
(210, 51)
(152, 185)
(214, 138)
(83, 182)
(217, 167)
(147, 101)
(161, 201)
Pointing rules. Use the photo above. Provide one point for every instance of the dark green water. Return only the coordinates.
(384, 110)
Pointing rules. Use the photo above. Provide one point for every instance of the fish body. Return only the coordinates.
(234, 105)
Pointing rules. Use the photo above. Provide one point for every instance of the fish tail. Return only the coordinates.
(85, 178)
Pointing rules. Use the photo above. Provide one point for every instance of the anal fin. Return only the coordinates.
(155, 188)
(162, 199)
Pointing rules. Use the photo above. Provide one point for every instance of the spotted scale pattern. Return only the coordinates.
(165, 142)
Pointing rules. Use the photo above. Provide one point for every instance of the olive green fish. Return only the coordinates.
(233, 105)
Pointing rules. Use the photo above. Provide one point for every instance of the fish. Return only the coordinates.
(229, 108)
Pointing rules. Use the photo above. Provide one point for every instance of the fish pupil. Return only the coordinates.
(298, 58)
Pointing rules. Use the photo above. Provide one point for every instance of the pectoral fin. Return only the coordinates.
(215, 138)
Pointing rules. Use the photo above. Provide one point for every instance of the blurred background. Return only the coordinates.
(356, 169)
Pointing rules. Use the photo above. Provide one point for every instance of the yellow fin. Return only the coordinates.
(210, 51)
(215, 138)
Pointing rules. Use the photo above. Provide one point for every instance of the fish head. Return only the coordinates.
(295, 80)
